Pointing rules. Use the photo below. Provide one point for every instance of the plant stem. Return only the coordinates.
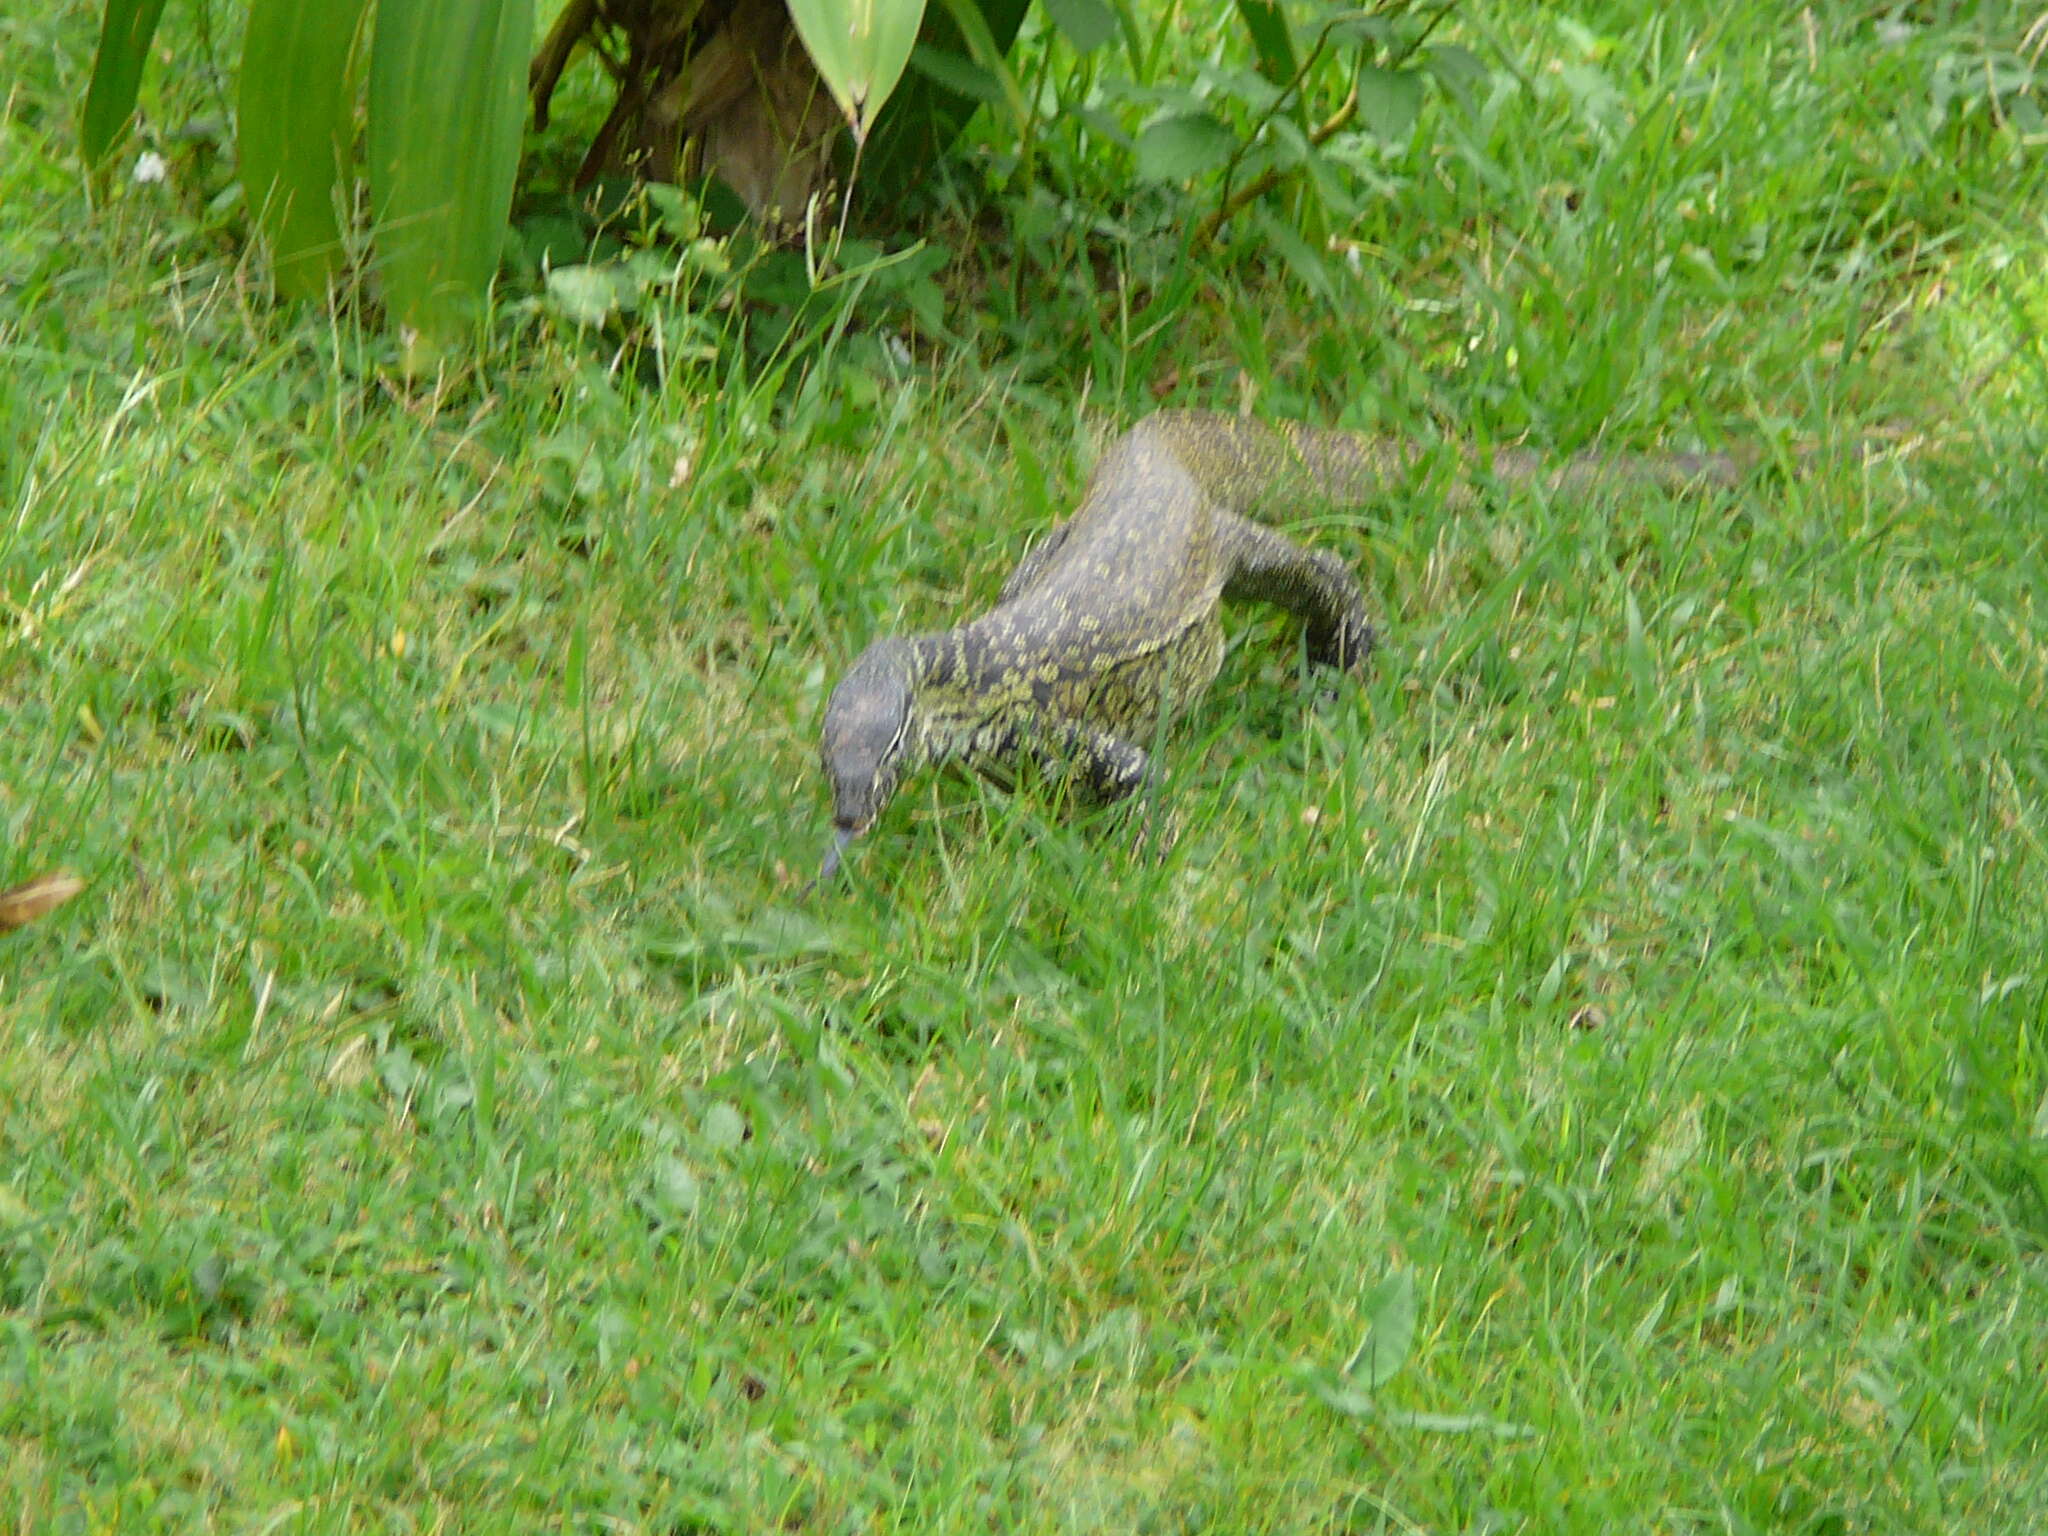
(1232, 202)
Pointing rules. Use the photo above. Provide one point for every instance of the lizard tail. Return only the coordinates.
(1276, 472)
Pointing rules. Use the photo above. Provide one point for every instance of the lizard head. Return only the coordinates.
(867, 738)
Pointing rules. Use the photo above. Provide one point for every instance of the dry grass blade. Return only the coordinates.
(36, 898)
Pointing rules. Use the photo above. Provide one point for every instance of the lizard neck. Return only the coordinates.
(945, 661)
(943, 683)
(971, 697)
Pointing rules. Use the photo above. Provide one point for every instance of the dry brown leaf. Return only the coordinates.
(34, 898)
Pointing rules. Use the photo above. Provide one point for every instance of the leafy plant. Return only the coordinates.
(444, 100)
(441, 87)
(443, 126)
(1382, 1353)
(960, 64)
(1334, 88)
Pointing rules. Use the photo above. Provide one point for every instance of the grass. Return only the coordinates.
(443, 1112)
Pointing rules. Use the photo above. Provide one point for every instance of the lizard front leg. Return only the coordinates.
(1110, 769)
(1106, 765)
(1103, 764)
(1110, 766)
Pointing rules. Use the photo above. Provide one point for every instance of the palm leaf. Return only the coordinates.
(447, 97)
(292, 116)
(125, 34)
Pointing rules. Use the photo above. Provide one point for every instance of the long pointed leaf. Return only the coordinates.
(447, 82)
(979, 31)
(860, 48)
(125, 33)
(1272, 38)
(926, 115)
(292, 117)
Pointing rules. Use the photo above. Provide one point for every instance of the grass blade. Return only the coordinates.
(292, 116)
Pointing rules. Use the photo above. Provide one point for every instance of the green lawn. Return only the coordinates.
(444, 1112)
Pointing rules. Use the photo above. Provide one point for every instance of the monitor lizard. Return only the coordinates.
(1107, 629)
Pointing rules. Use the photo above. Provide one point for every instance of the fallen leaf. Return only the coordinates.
(33, 898)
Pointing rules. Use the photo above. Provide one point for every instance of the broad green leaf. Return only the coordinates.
(1087, 24)
(1286, 145)
(590, 295)
(1356, 29)
(682, 216)
(860, 48)
(1183, 146)
(676, 1187)
(447, 95)
(292, 116)
(1389, 100)
(1246, 87)
(1390, 1333)
(1353, 1405)
(125, 33)
(1458, 68)
(724, 1127)
(1272, 39)
(1103, 125)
